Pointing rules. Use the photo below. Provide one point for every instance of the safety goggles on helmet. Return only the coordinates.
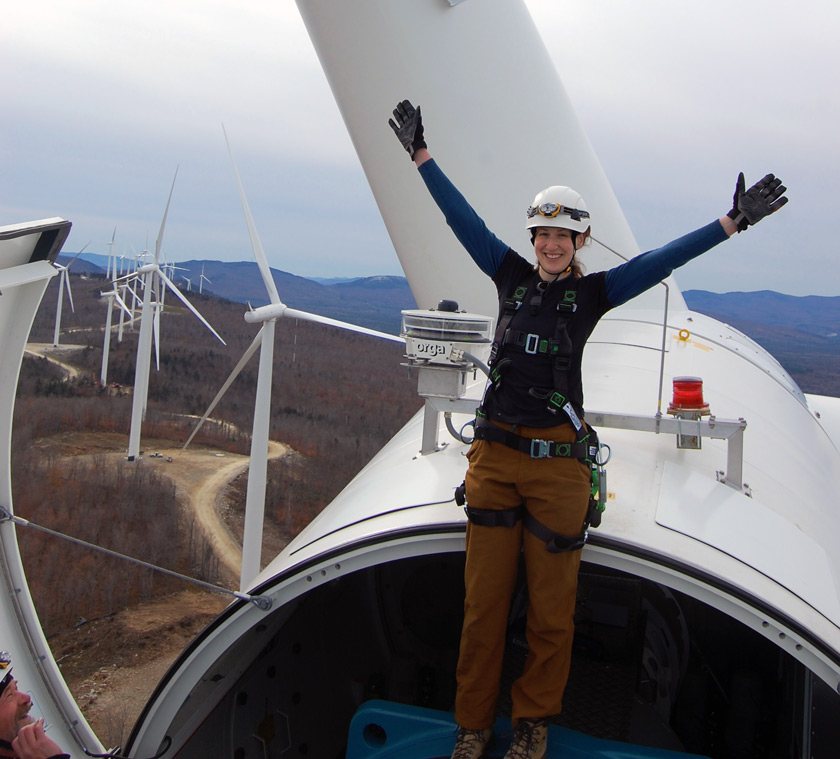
(552, 210)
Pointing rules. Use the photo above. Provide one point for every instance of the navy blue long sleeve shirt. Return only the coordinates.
(623, 282)
(528, 379)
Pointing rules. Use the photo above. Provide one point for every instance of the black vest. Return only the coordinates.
(527, 355)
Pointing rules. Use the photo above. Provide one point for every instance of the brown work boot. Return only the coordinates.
(530, 740)
(470, 744)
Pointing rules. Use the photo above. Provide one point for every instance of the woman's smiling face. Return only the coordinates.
(554, 248)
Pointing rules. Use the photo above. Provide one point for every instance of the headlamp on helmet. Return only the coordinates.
(555, 209)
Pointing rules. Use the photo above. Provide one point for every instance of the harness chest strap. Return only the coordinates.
(560, 345)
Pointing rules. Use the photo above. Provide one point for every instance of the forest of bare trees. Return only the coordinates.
(337, 398)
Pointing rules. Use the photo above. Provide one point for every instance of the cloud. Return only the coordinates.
(679, 97)
(103, 99)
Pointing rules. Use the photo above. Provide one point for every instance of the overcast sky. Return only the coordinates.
(102, 99)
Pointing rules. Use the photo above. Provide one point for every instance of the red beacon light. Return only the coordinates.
(688, 396)
(687, 403)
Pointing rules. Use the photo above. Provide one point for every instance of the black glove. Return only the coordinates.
(408, 127)
(765, 197)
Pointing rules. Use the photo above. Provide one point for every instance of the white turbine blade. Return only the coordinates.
(156, 335)
(246, 357)
(122, 304)
(127, 277)
(256, 243)
(306, 316)
(132, 291)
(132, 321)
(70, 292)
(159, 240)
(168, 282)
(73, 260)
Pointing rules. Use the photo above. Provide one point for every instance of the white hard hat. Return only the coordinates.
(559, 206)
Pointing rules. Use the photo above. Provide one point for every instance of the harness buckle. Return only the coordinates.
(556, 401)
(532, 343)
(540, 449)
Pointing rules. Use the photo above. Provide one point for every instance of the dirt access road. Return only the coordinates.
(113, 664)
(54, 354)
(201, 478)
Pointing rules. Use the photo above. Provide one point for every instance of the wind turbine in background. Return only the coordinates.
(267, 317)
(169, 270)
(62, 282)
(201, 280)
(154, 280)
(125, 287)
(189, 283)
(112, 296)
(111, 272)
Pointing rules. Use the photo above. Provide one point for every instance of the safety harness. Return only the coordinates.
(555, 542)
(585, 447)
(558, 347)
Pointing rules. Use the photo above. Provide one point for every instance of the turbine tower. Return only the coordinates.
(267, 316)
(111, 272)
(201, 280)
(62, 282)
(112, 296)
(153, 279)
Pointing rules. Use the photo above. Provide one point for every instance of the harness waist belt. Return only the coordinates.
(534, 447)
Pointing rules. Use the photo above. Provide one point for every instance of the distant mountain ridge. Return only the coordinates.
(240, 282)
(802, 332)
(811, 314)
(374, 302)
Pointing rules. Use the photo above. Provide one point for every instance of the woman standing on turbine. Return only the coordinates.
(528, 481)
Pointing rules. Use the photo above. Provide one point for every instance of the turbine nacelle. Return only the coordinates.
(265, 313)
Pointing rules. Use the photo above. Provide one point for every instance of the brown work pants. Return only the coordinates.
(556, 492)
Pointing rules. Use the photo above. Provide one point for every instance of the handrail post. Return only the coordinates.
(662, 351)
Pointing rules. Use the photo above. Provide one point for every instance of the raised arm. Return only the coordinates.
(630, 279)
(482, 245)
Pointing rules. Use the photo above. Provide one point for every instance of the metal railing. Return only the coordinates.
(731, 430)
